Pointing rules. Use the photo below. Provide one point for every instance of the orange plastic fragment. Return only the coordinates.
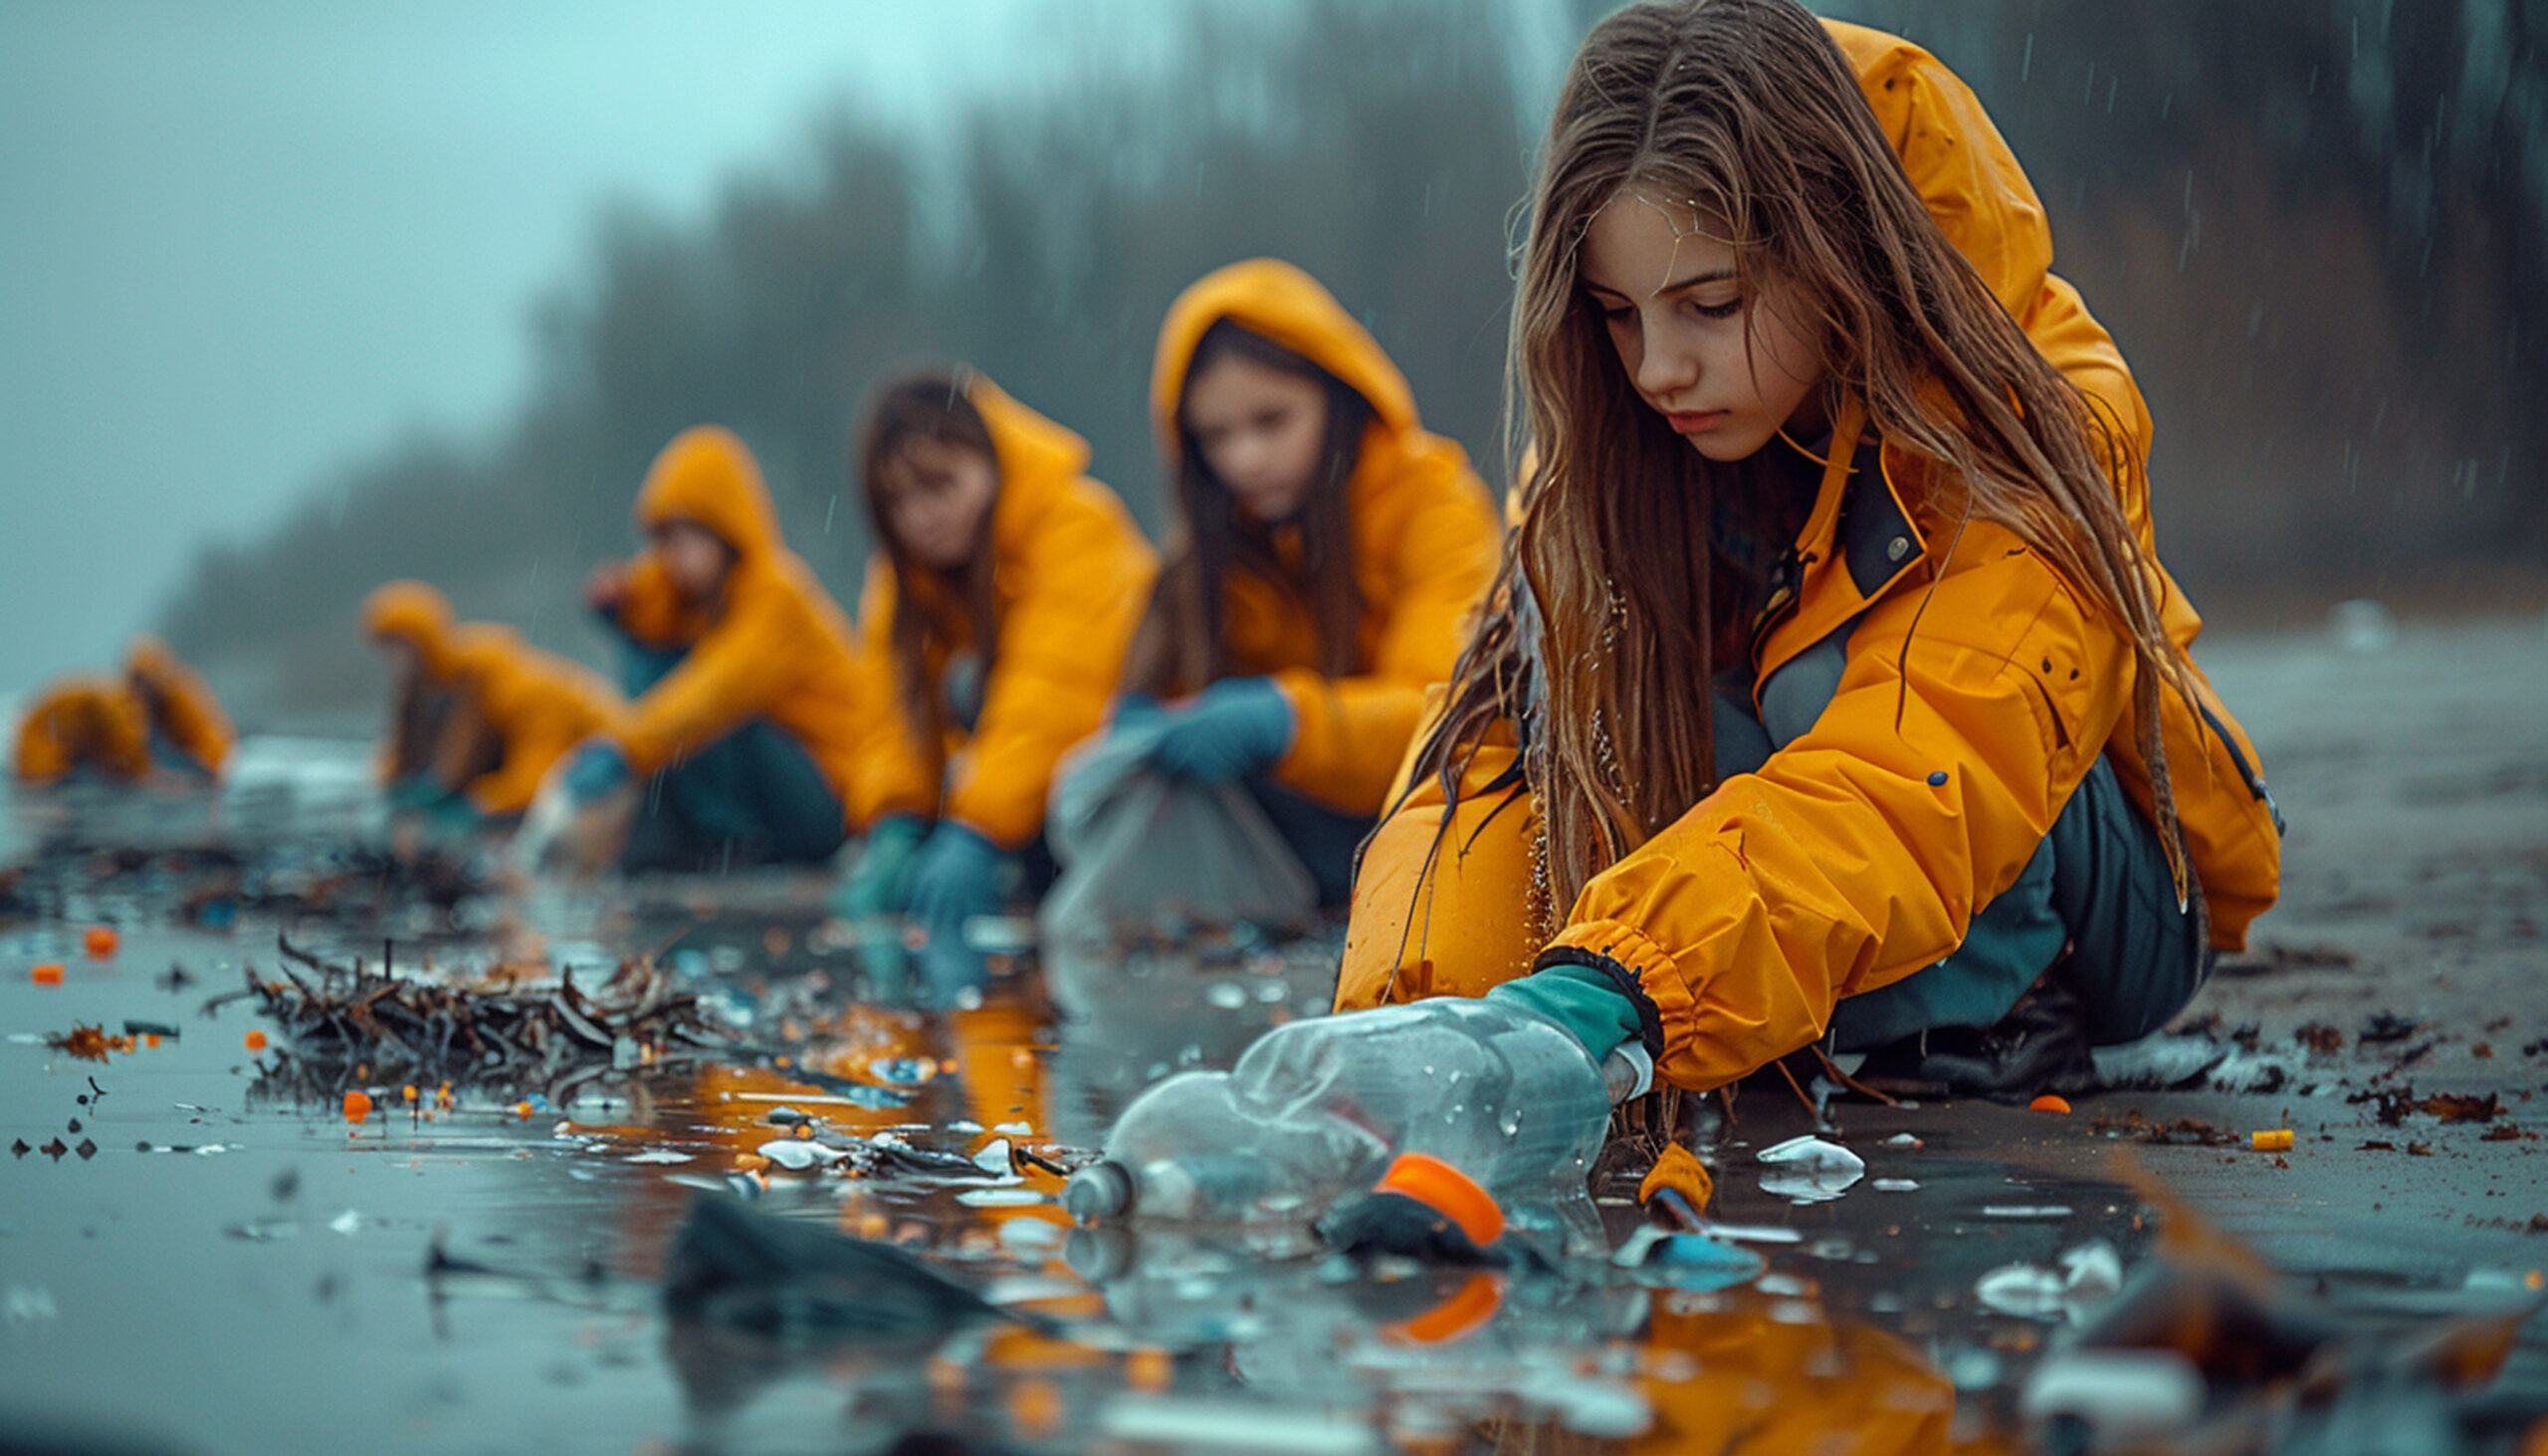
(255, 1040)
(357, 1106)
(100, 941)
(1036, 1406)
(150, 1038)
(46, 975)
(521, 1110)
(2278, 1140)
(2050, 1103)
(1149, 1372)
(409, 1092)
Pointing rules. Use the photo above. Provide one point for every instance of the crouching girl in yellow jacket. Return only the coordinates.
(478, 717)
(1330, 554)
(742, 714)
(159, 718)
(999, 602)
(1832, 691)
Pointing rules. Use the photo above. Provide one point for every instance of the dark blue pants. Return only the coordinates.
(2098, 885)
(1325, 839)
(753, 797)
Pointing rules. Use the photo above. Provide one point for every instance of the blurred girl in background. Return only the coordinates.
(1003, 588)
(736, 742)
(1328, 557)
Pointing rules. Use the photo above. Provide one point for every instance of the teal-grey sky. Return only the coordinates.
(242, 242)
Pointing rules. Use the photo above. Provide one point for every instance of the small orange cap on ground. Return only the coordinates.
(1036, 1406)
(46, 975)
(255, 1041)
(1447, 1191)
(521, 1110)
(357, 1106)
(100, 941)
(1150, 1370)
(2278, 1140)
(2050, 1103)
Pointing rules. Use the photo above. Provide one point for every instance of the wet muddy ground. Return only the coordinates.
(199, 1252)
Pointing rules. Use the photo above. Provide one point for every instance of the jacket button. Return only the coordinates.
(1895, 548)
(1936, 778)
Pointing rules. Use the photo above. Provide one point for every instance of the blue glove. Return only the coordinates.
(598, 767)
(1235, 727)
(956, 874)
(875, 887)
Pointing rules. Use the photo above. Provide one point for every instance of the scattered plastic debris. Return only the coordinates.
(2124, 1394)
(1809, 1170)
(2089, 1275)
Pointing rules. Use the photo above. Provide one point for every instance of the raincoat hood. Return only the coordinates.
(1033, 449)
(416, 613)
(707, 476)
(1270, 297)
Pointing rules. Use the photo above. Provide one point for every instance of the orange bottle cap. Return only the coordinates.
(1447, 1191)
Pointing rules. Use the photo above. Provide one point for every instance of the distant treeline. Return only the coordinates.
(2320, 230)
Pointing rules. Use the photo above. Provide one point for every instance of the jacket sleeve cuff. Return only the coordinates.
(1649, 1020)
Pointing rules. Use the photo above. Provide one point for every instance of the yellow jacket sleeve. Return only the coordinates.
(1350, 733)
(1859, 852)
(1447, 907)
(1084, 579)
(192, 718)
(732, 674)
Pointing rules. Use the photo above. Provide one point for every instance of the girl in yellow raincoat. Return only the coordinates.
(1329, 556)
(742, 683)
(1832, 692)
(160, 720)
(1003, 589)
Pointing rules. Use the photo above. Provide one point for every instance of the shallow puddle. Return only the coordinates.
(197, 1254)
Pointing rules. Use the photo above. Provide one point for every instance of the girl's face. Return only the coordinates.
(936, 498)
(1260, 432)
(1728, 371)
(693, 557)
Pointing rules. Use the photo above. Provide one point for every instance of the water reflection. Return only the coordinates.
(944, 1135)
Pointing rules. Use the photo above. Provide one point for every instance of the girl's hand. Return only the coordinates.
(607, 586)
(1235, 728)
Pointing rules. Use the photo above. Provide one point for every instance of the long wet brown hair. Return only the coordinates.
(1183, 643)
(1600, 642)
(929, 406)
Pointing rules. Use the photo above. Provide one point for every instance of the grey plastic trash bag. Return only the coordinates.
(1143, 855)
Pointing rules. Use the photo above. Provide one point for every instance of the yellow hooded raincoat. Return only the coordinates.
(1070, 574)
(1424, 538)
(82, 720)
(109, 722)
(1859, 852)
(777, 647)
(537, 705)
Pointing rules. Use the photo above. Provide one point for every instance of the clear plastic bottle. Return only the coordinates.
(1317, 1109)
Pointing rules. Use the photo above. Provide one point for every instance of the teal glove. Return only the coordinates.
(1236, 728)
(875, 887)
(1589, 1005)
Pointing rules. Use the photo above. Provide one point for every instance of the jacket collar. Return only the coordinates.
(1856, 543)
